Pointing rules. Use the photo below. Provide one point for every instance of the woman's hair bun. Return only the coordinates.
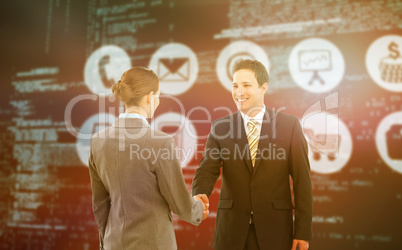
(134, 84)
(116, 86)
(116, 90)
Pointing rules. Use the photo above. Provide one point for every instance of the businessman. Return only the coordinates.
(257, 149)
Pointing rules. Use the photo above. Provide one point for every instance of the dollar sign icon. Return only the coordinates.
(393, 48)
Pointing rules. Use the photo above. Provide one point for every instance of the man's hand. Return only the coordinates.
(303, 245)
(205, 204)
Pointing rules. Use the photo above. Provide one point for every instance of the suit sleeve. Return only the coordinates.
(100, 199)
(173, 188)
(300, 173)
(209, 170)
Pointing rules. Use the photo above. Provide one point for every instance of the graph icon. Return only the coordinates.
(316, 65)
(315, 61)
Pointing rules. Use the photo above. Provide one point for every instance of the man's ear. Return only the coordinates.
(264, 87)
(149, 96)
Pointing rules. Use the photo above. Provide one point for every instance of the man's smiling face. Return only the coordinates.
(247, 94)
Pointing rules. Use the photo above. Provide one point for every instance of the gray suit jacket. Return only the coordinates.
(135, 177)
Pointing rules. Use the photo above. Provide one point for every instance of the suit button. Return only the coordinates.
(198, 220)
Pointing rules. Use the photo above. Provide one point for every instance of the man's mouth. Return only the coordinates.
(241, 100)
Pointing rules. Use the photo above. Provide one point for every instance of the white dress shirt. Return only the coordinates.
(133, 115)
(258, 118)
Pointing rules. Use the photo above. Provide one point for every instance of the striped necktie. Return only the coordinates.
(252, 137)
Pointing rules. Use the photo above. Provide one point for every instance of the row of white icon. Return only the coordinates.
(330, 144)
(315, 64)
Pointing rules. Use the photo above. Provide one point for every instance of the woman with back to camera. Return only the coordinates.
(132, 190)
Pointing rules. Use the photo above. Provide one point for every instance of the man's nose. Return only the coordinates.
(239, 92)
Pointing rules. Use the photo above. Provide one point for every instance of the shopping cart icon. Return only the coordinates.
(323, 143)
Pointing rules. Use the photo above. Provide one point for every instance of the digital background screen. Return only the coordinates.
(336, 65)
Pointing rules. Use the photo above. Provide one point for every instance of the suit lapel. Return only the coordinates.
(241, 140)
(265, 136)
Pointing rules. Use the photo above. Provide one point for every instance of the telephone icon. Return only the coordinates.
(107, 82)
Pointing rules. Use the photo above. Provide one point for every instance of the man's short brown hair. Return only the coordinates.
(259, 70)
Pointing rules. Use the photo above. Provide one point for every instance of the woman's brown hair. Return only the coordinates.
(134, 84)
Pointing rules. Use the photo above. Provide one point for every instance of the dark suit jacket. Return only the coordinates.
(132, 190)
(263, 190)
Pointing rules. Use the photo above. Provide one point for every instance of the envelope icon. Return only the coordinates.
(174, 69)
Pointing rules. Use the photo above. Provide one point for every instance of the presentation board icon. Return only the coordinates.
(176, 66)
(316, 65)
(104, 67)
(91, 126)
(315, 61)
(232, 54)
(329, 142)
(388, 139)
(384, 62)
(183, 132)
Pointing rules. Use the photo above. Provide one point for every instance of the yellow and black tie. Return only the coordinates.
(252, 137)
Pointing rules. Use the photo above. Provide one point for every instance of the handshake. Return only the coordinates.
(205, 204)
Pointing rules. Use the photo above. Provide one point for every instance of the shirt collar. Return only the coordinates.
(133, 115)
(258, 118)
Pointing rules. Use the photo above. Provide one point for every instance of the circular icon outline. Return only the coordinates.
(236, 48)
(84, 138)
(379, 63)
(328, 65)
(104, 67)
(336, 132)
(176, 66)
(187, 147)
(381, 137)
